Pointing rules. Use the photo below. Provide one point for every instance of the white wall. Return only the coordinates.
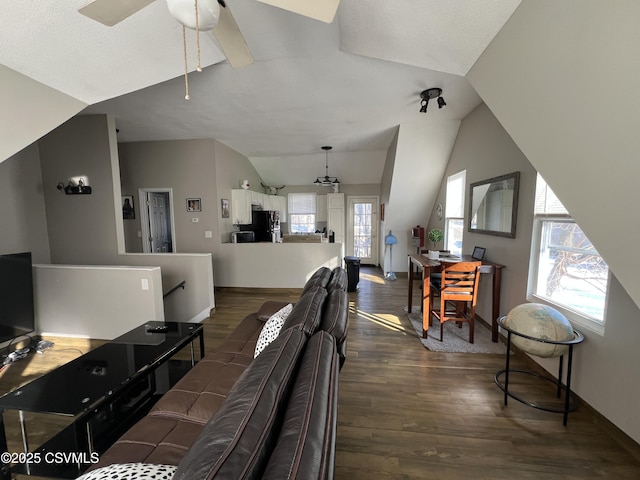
(562, 78)
(274, 265)
(22, 206)
(604, 365)
(194, 302)
(29, 110)
(95, 302)
(422, 151)
(88, 229)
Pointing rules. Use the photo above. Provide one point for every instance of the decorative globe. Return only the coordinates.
(539, 321)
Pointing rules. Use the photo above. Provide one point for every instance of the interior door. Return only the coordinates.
(363, 228)
(158, 223)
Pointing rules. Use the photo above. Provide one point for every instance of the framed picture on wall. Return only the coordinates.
(194, 205)
(224, 207)
(128, 212)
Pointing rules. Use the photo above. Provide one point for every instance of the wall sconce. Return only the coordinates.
(427, 95)
(75, 186)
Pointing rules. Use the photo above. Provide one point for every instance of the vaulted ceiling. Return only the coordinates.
(348, 84)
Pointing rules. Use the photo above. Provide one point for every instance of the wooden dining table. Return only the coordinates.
(423, 262)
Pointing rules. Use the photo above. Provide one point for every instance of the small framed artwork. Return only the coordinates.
(382, 212)
(224, 207)
(128, 212)
(194, 205)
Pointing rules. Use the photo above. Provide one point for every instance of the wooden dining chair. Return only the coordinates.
(458, 295)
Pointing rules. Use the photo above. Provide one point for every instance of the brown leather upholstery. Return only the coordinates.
(247, 399)
(306, 312)
(306, 444)
(238, 440)
(335, 320)
(338, 280)
(320, 278)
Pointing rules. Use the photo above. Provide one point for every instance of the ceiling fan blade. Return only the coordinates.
(231, 41)
(110, 12)
(323, 10)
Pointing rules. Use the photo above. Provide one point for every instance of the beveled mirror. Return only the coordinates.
(493, 205)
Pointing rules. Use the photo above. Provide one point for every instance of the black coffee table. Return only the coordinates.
(105, 391)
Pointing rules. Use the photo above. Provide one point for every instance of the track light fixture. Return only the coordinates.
(429, 94)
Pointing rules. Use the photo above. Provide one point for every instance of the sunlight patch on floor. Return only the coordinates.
(387, 320)
(372, 278)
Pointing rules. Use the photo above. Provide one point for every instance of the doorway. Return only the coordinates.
(156, 218)
(362, 229)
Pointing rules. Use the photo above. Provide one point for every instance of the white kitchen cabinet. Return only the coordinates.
(279, 203)
(241, 206)
(321, 208)
(335, 216)
(257, 198)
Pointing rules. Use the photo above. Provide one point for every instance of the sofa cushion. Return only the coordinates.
(153, 440)
(305, 314)
(335, 318)
(320, 278)
(238, 440)
(200, 393)
(272, 328)
(338, 280)
(268, 308)
(306, 444)
(244, 337)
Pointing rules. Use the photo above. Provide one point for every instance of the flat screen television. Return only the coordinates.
(17, 312)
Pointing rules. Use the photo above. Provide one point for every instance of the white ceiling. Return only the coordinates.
(348, 84)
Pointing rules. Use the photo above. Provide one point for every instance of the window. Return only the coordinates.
(454, 212)
(566, 270)
(302, 212)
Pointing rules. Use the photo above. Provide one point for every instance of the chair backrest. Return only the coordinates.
(460, 281)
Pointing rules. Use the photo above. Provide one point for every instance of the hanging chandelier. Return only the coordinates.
(327, 181)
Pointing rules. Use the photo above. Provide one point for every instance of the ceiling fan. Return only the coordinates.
(215, 16)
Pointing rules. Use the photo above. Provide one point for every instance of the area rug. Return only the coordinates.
(455, 340)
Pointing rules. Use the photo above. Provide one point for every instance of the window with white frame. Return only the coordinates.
(566, 270)
(454, 212)
(302, 212)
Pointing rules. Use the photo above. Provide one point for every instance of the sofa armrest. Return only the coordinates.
(269, 308)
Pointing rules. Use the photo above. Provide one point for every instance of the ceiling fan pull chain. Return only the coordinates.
(186, 70)
(198, 35)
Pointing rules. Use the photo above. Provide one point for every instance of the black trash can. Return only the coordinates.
(353, 273)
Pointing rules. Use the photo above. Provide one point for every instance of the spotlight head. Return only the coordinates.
(427, 95)
(441, 102)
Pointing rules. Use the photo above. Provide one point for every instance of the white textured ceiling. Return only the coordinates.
(348, 84)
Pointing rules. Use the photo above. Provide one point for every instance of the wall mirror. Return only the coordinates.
(493, 204)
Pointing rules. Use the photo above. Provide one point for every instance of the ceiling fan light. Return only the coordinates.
(184, 12)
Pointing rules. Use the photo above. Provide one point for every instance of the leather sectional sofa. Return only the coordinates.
(233, 416)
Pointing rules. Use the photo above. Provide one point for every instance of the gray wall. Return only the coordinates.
(188, 168)
(605, 373)
(82, 228)
(24, 227)
(562, 78)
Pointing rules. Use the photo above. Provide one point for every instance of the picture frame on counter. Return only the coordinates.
(194, 205)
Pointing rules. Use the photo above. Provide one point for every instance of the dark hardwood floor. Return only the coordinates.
(408, 413)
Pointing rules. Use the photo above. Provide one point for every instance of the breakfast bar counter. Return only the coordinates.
(273, 265)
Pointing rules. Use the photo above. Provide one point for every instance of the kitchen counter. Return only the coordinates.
(310, 238)
(273, 265)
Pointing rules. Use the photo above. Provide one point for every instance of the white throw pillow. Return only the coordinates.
(272, 328)
(131, 471)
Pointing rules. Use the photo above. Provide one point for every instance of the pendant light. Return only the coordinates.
(327, 181)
